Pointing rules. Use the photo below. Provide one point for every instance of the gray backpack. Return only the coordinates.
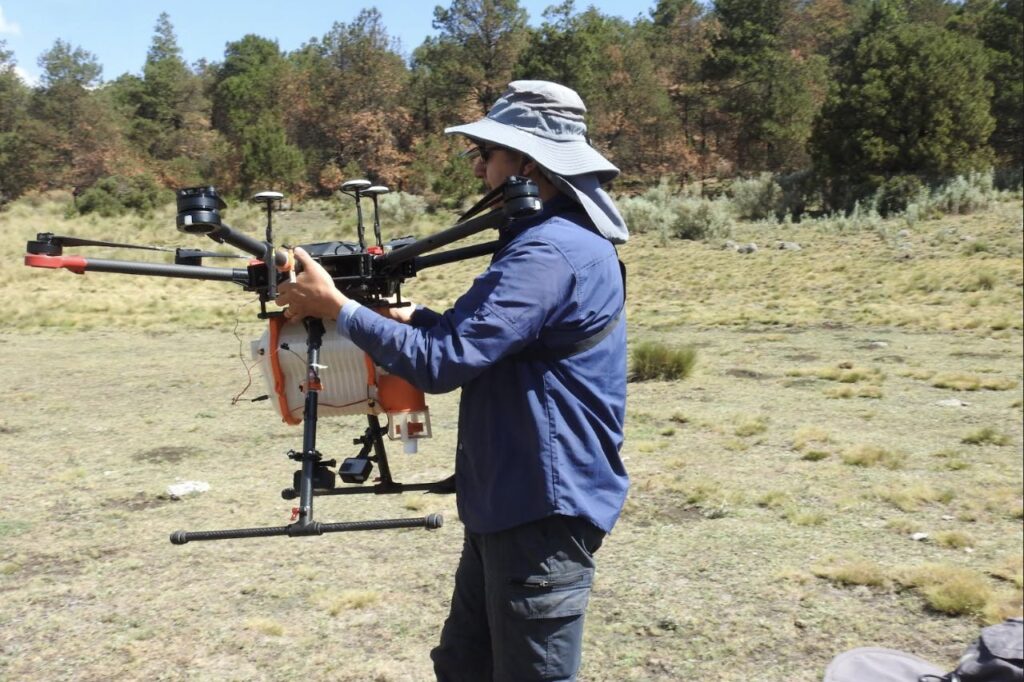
(996, 656)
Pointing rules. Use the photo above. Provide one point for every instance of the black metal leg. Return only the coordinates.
(311, 459)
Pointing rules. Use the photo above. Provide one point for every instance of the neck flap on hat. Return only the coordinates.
(587, 192)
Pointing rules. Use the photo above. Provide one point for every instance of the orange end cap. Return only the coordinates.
(75, 264)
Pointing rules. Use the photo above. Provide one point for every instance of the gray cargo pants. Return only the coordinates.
(518, 605)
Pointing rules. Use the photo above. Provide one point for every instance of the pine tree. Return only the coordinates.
(349, 105)
(763, 89)
(468, 65)
(908, 99)
(249, 93)
(167, 94)
(16, 162)
(1000, 27)
(75, 137)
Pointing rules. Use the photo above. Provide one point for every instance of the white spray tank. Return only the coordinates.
(351, 382)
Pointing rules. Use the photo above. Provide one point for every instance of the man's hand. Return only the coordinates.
(312, 294)
(403, 314)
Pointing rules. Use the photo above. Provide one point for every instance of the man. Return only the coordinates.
(538, 346)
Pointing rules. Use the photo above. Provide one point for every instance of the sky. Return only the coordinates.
(119, 32)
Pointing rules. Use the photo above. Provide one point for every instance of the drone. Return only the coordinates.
(334, 377)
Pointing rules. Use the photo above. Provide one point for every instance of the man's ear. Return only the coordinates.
(527, 167)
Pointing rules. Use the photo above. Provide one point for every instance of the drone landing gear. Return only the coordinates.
(316, 478)
(356, 470)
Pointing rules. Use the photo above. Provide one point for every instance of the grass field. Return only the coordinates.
(847, 398)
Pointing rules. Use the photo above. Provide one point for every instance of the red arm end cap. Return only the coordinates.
(75, 264)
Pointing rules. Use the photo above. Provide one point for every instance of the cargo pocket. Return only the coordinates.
(543, 628)
(550, 596)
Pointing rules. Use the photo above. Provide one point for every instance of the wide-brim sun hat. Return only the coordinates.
(545, 121)
(877, 664)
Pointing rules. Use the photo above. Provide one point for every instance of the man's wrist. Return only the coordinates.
(348, 309)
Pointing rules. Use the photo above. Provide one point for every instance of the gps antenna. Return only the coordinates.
(269, 198)
(374, 192)
(353, 188)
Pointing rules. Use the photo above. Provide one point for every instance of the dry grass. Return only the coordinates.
(986, 436)
(750, 426)
(853, 572)
(853, 392)
(971, 382)
(862, 455)
(904, 525)
(265, 626)
(954, 539)
(114, 387)
(810, 436)
(1010, 569)
(950, 590)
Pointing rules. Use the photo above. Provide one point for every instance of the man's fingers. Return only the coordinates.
(317, 273)
(283, 295)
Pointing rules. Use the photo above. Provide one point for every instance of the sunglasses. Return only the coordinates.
(481, 152)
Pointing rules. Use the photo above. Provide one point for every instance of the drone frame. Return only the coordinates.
(372, 275)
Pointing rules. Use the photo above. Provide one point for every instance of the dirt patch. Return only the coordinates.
(688, 514)
(973, 354)
(891, 359)
(746, 374)
(165, 453)
(803, 357)
(138, 502)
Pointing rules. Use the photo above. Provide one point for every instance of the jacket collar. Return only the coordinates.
(560, 205)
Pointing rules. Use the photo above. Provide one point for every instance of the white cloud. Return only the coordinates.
(26, 77)
(8, 26)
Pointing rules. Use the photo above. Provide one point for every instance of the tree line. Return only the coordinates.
(850, 97)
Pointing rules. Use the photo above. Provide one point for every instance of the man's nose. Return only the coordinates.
(480, 169)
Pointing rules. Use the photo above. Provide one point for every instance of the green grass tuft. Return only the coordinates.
(870, 455)
(958, 594)
(657, 361)
(986, 436)
(856, 572)
(954, 539)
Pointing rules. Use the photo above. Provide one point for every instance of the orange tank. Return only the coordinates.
(350, 382)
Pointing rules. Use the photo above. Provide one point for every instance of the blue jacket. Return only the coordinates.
(536, 437)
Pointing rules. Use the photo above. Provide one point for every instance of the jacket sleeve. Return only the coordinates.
(506, 307)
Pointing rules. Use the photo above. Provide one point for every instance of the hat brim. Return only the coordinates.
(877, 663)
(586, 191)
(564, 157)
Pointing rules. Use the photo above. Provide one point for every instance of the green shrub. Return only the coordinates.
(862, 218)
(1008, 179)
(399, 212)
(758, 198)
(643, 215)
(898, 193)
(964, 194)
(116, 195)
(671, 212)
(698, 219)
(101, 198)
(799, 189)
(658, 361)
